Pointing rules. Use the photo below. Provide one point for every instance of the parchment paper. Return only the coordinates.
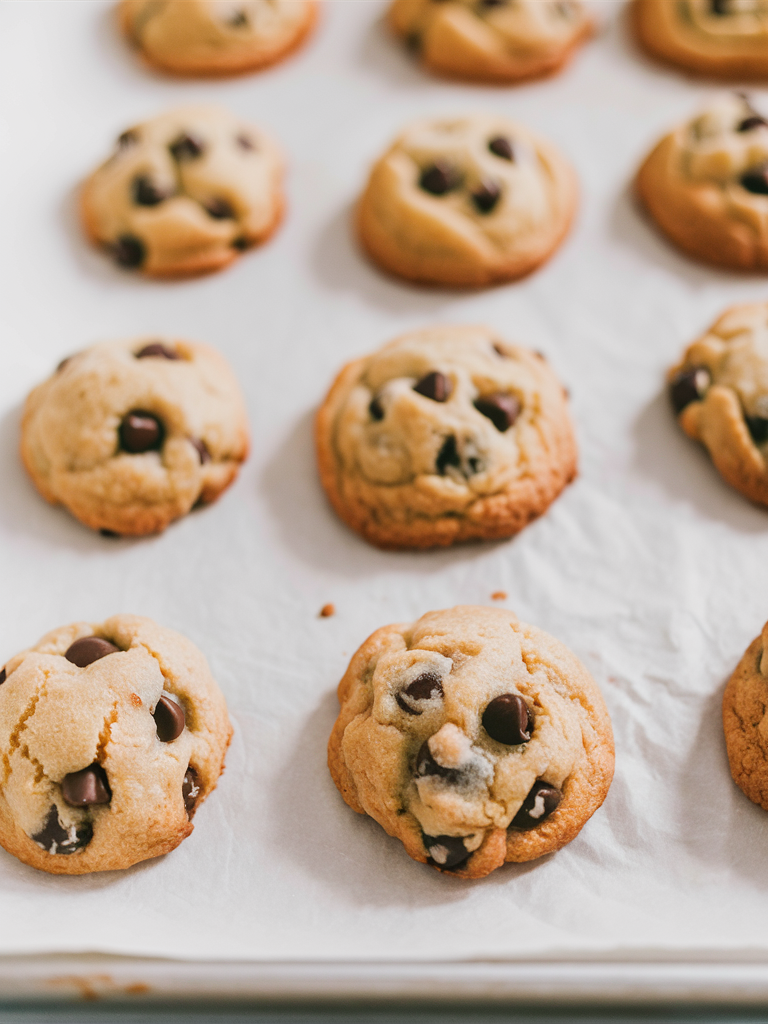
(649, 567)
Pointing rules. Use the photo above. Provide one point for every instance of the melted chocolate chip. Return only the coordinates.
(542, 800)
(219, 209)
(751, 122)
(245, 142)
(190, 790)
(501, 146)
(508, 720)
(755, 180)
(56, 839)
(758, 428)
(87, 649)
(140, 432)
(202, 449)
(486, 196)
(129, 138)
(238, 20)
(87, 787)
(439, 178)
(719, 7)
(448, 455)
(128, 251)
(110, 534)
(187, 147)
(427, 765)
(446, 851)
(156, 350)
(169, 719)
(689, 385)
(241, 244)
(502, 409)
(436, 386)
(3, 676)
(427, 686)
(376, 409)
(147, 193)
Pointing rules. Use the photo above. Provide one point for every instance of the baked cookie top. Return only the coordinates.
(472, 738)
(445, 434)
(129, 435)
(717, 37)
(216, 37)
(706, 184)
(744, 721)
(185, 193)
(720, 394)
(112, 735)
(493, 40)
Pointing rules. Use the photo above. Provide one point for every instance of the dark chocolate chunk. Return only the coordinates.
(439, 178)
(508, 720)
(238, 20)
(202, 449)
(190, 790)
(758, 428)
(542, 800)
(128, 251)
(492, 3)
(219, 209)
(446, 851)
(87, 649)
(110, 534)
(689, 385)
(140, 432)
(3, 676)
(501, 408)
(719, 7)
(187, 147)
(501, 146)
(241, 244)
(147, 193)
(486, 196)
(245, 142)
(751, 122)
(427, 765)
(54, 838)
(376, 409)
(86, 787)
(425, 687)
(448, 455)
(756, 180)
(169, 719)
(156, 349)
(129, 138)
(436, 386)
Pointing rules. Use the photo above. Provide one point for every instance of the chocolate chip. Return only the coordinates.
(128, 251)
(238, 20)
(129, 138)
(751, 122)
(508, 720)
(719, 7)
(755, 180)
(427, 765)
(56, 839)
(110, 534)
(501, 146)
(436, 386)
(492, 3)
(86, 787)
(187, 147)
(689, 385)
(3, 676)
(413, 41)
(486, 195)
(425, 687)
(501, 408)
(446, 851)
(169, 719)
(87, 649)
(758, 428)
(219, 209)
(156, 349)
(245, 142)
(147, 193)
(63, 363)
(202, 450)
(448, 455)
(439, 178)
(241, 244)
(376, 409)
(140, 432)
(190, 790)
(542, 800)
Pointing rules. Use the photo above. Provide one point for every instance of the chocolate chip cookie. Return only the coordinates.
(724, 38)
(472, 738)
(130, 435)
(111, 736)
(185, 193)
(745, 702)
(467, 202)
(498, 41)
(719, 392)
(446, 434)
(706, 185)
(216, 37)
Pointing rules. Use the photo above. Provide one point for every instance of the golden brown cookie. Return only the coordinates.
(719, 392)
(446, 434)
(499, 41)
(216, 37)
(111, 736)
(745, 703)
(723, 38)
(467, 202)
(185, 193)
(706, 185)
(130, 435)
(472, 738)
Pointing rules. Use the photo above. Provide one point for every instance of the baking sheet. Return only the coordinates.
(649, 567)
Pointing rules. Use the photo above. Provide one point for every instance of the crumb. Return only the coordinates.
(327, 611)
(499, 595)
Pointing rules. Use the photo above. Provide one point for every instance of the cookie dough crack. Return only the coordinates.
(14, 742)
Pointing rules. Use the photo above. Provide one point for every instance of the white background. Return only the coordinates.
(649, 567)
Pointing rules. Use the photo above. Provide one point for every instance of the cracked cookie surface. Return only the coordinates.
(706, 185)
(130, 435)
(745, 721)
(466, 202)
(216, 37)
(446, 434)
(492, 40)
(185, 193)
(719, 391)
(111, 736)
(473, 738)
